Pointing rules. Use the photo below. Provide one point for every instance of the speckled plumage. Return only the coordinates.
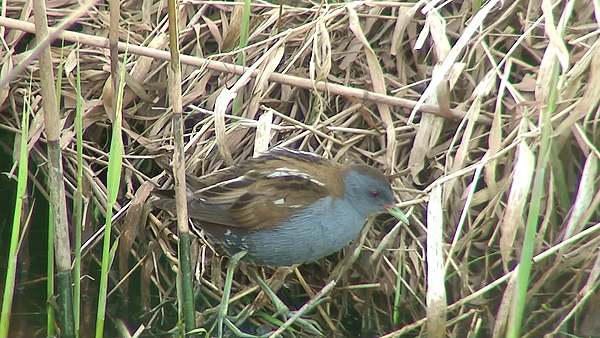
(285, 206)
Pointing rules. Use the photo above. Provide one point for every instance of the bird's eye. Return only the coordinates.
(374, 193)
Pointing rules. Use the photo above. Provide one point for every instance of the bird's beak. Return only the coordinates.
(396, 212)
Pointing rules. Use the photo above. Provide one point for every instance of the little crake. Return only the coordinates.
(285, 206)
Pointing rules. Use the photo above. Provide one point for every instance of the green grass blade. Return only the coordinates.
(11, 268)
(113, 183)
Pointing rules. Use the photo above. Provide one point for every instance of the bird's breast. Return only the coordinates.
(316, 231)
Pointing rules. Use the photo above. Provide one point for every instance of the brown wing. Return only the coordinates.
(272, 201)
(264, 191)
(256, 200)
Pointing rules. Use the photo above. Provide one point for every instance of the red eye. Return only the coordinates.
(374, 193)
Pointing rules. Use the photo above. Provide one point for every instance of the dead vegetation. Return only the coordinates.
(485, 117)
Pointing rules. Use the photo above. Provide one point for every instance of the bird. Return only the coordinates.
(284, 206)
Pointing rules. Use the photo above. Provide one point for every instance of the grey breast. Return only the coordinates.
(321, 229)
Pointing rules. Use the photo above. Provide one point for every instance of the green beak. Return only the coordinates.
(396, 212)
